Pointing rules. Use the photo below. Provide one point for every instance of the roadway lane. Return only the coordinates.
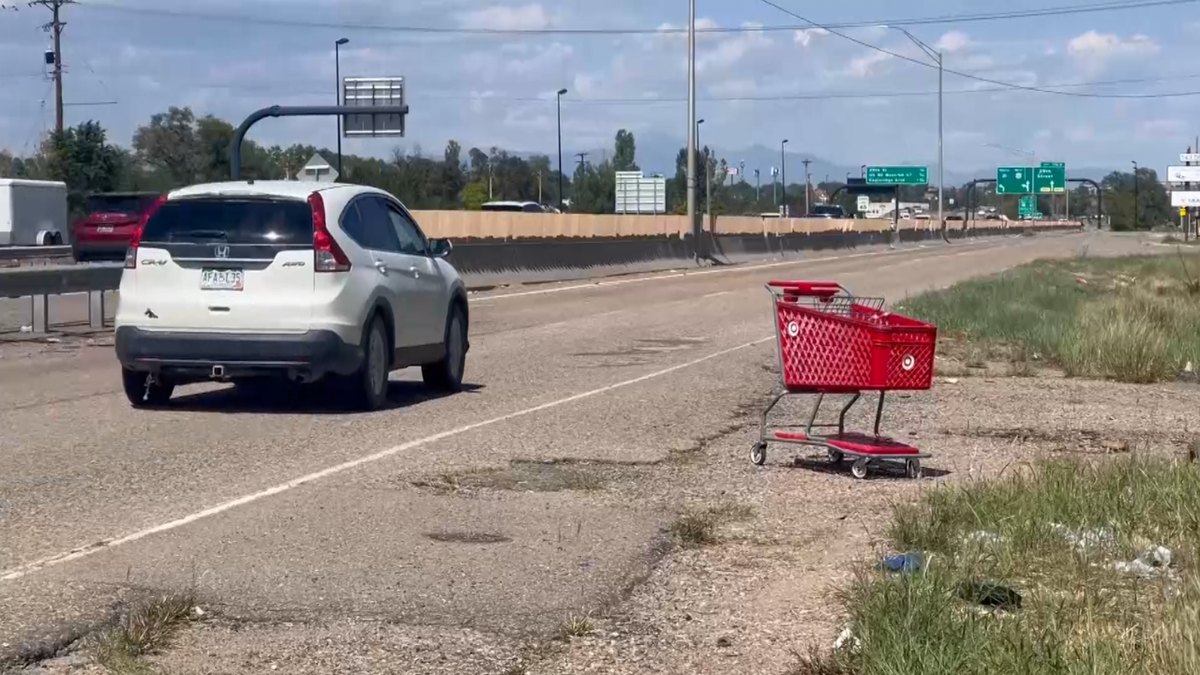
(618, 372)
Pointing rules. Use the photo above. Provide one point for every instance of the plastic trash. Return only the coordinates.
(1148, 564)
(904, 562)
(985, 537)
(846, 640)
(990, 594)
(1085, 541)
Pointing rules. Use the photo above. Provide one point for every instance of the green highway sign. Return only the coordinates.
(897, 175)
(1027, 207)
(1014, 180)
(1050, 177)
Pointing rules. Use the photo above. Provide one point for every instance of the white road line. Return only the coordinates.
(715, 295)
(52, 561)
(723, 270)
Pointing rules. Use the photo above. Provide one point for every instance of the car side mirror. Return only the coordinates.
(440, 248)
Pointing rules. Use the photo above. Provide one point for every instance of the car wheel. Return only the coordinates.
(144, 391)
(447, 373)
(371, 382)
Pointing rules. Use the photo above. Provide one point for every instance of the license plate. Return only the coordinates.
(104, 229)
(221, 280)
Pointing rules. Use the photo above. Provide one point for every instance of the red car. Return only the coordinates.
(105, 233)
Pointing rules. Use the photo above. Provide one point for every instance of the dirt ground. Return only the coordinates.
(766, 589)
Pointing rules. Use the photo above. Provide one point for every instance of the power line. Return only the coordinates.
(969, 76)
(802, 96)
(1066, 10)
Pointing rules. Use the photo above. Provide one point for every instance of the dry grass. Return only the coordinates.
(1080, 614)
(698, 527)
(141, 629)
(1133, 319)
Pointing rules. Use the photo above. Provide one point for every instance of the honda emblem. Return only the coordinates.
(221, 251)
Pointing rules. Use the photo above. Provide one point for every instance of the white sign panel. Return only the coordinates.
(636, 193)
(317, 170)
(864, 202)
(1189, 157)
(1185, 199)
(1183, 174)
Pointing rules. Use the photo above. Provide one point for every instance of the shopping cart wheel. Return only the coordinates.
(859, 468)
(836, 456)
(912, 468)
(758, 454)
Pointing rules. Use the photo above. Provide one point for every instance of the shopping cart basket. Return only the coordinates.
(831, 342)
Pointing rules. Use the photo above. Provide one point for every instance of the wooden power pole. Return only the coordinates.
(55, 27)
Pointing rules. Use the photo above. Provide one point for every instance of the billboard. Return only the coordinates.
(638, 194)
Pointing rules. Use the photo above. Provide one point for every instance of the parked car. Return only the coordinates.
(299, 282)
(112, 219)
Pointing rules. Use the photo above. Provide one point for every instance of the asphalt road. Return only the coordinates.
(291, 508)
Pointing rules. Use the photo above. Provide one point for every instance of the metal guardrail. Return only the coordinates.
(34, 252)
(39, 283)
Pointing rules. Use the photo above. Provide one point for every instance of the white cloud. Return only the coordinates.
(954, 41)
(1104, 45)
(731, 50)
(1160, 128)
(865, 66)
(501, 17)
(805, 36)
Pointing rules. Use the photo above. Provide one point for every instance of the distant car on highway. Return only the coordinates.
(827, 211)
(300, 282)
(112, 219)
(524, 207)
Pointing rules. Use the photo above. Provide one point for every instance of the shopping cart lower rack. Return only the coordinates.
(831, 342)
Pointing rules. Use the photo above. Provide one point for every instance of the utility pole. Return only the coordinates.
(581, 156)
(55, 27)
(807, 185)
(1135, 195)
(757, 186)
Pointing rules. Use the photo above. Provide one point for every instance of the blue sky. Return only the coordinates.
(498, 90)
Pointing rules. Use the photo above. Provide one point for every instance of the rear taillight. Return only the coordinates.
(327, 255)
(131, 252)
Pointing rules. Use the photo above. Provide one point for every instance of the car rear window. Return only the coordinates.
(827, 210)
(233, 221)
(120, 203)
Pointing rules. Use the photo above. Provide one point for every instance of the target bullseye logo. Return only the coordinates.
(793, 329)
(908, 363)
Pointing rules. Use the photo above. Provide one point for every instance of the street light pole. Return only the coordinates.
(783, 174)
(337, 73)
(707, 175)
(941, 150)
(691, 158)
(936, 56)
(561, 92)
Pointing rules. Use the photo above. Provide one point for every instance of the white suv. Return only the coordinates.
(245, 280)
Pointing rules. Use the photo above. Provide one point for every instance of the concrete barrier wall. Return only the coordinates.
(498, 225)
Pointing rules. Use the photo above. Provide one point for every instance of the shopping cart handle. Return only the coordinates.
(820, 289)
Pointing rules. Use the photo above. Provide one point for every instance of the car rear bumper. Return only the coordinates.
(100, 250)
(192, 355)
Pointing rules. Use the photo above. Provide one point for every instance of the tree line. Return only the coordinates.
(177, 148)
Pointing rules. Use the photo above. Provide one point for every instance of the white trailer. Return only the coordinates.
(32, 212)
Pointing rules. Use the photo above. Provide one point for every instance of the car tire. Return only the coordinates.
(369, 386)
(143, 393)
(446, 374)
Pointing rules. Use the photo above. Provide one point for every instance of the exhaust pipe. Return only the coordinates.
(218, 372)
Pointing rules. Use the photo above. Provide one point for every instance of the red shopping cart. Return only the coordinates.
(831, 342)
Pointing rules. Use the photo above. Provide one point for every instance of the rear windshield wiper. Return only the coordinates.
(201, 234)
